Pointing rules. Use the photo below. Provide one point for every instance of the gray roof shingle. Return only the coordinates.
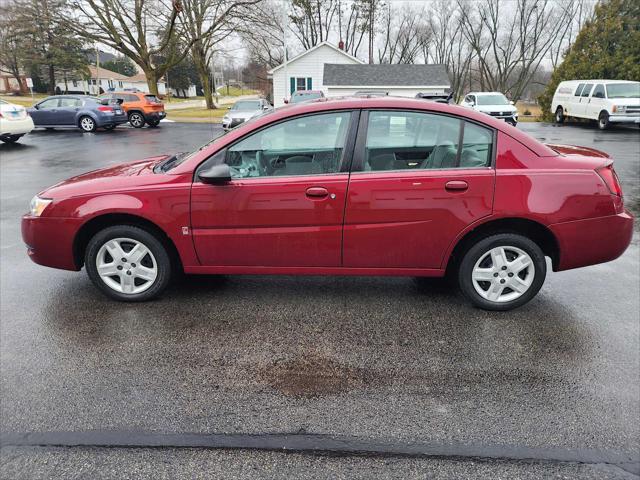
(381, 75)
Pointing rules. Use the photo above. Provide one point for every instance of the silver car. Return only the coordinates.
(243, 110)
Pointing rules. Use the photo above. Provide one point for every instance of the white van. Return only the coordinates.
(607, 101)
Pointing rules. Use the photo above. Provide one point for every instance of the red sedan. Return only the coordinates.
(379, 186)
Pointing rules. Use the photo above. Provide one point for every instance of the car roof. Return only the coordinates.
(376, 103)
(599, 81)
(485, 93)
(302, 92)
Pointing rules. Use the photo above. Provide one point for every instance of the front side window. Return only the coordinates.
(417, 141)
(50, 103)
(309, 145)
(598, 92)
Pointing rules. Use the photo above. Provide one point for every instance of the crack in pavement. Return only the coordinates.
(303, 442)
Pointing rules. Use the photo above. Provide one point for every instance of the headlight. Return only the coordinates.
(38, 205)
(619, 108)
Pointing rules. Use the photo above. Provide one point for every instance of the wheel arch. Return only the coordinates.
(536, 231)
(100, 222)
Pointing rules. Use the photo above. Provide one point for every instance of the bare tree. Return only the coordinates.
(11, 44)
(578, 11)
(510, 39)
(312, 20)
(406, 35)
(354, 25)
(265, 45)
(204, 24)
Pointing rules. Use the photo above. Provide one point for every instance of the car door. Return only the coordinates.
(583, 106)
(597, 102)
(414, 187)
(67, 110)
(573, 105)
(44, 112)
(284, 205)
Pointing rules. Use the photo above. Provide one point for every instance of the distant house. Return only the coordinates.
(335, 72)
(102, 80)
(305, 71)
(402, 80)
(9, 84)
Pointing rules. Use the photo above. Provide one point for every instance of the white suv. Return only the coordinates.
(492, 103)
(607, 101)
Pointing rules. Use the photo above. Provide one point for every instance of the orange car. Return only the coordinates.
(140, 107)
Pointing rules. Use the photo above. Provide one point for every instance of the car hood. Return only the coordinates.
(104, 179)
(625, 101)
(495, 108)
(243, 114)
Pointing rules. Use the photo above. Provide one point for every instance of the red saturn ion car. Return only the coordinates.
(379, 186)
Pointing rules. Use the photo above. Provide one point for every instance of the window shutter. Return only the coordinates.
(309, 83)
(292, 82)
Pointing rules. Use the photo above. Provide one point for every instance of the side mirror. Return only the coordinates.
(472, 104)
(37, 107)
(216, 175)
(265, 107)
(228, 108)
(511, 102)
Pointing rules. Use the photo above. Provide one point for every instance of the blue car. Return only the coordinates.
(82, 111)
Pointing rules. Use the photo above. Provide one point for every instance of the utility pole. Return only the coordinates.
(286, 54)
(371, 18)
(97, 70)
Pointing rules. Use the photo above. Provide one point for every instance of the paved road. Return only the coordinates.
(389, 363)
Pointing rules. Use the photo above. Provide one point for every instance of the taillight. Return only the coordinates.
(105, 109)
(610, 178)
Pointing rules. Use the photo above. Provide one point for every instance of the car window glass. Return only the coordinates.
(579, 89)
(411, 140)
(598, 92)
(476, 146)
(587, 89)
(70, 102)
(306, 145)
(50, 103)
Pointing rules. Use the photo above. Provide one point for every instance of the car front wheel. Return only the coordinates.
(502, 272)
(603, 121)
(128, 263)
(559, 115)
(136, 120)
(87, 124)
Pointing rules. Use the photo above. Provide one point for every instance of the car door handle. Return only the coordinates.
(456, 185)
(317, 192)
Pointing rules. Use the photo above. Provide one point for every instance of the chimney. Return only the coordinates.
(341, 45)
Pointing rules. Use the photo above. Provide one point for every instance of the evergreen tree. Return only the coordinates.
(121, 65)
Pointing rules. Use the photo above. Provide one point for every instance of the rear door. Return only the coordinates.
(67, 110)
(418, 180)
(573, 105)
(583, 106)
(284, 206)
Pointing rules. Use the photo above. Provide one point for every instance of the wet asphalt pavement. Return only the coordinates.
(389, 361)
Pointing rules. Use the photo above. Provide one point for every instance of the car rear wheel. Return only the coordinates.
(559, 115)
(603, 121)
(136, 119)
(87, 124)
(502, 272)
(128, 263)
(10, 138)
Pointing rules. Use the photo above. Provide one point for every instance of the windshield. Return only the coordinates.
(303, 97)
(247, 105)
(496, 99)
(623, 90)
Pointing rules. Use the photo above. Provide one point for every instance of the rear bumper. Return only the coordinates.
(594, 240)
(624, 118)
(16, 127)
(50, 240)
(154, 116)
(103, 120)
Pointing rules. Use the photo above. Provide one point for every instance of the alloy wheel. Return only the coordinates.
(136, 120)
(126, 265)
(87, 124)
(503, 274)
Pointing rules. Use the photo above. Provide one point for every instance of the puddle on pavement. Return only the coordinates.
(313, 376)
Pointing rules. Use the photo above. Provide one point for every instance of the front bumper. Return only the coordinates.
(50, 240)
(624, 118)
(16, 127)
(594, 240)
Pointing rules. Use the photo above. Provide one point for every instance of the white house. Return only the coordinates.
(335, 72)
(305, 71)
(103, 80)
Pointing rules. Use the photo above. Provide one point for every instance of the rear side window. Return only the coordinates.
(587, 89)
(579, 89)
(151, 98)
(70, 102)
(418, 141)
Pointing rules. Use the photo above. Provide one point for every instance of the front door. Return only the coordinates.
(45, 112)
(284, 206)
(597, 102)
(415, 187)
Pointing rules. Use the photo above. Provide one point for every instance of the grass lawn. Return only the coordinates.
(235, 91)
(24, 100)
(197, 115)
(532, 108)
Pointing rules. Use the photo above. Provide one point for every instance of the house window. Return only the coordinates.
(300, 83)
(119, 84)
(75, 83)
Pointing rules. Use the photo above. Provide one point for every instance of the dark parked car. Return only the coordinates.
(82, 111)
(305, 96)
(366, 186)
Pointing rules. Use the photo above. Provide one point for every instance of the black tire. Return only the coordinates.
(10, 138)
(153, 123)
(110, 127)
(480, 250)
(136, 119)
(603, 121)
(559, 115)
(158, 253)
(87, 124)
